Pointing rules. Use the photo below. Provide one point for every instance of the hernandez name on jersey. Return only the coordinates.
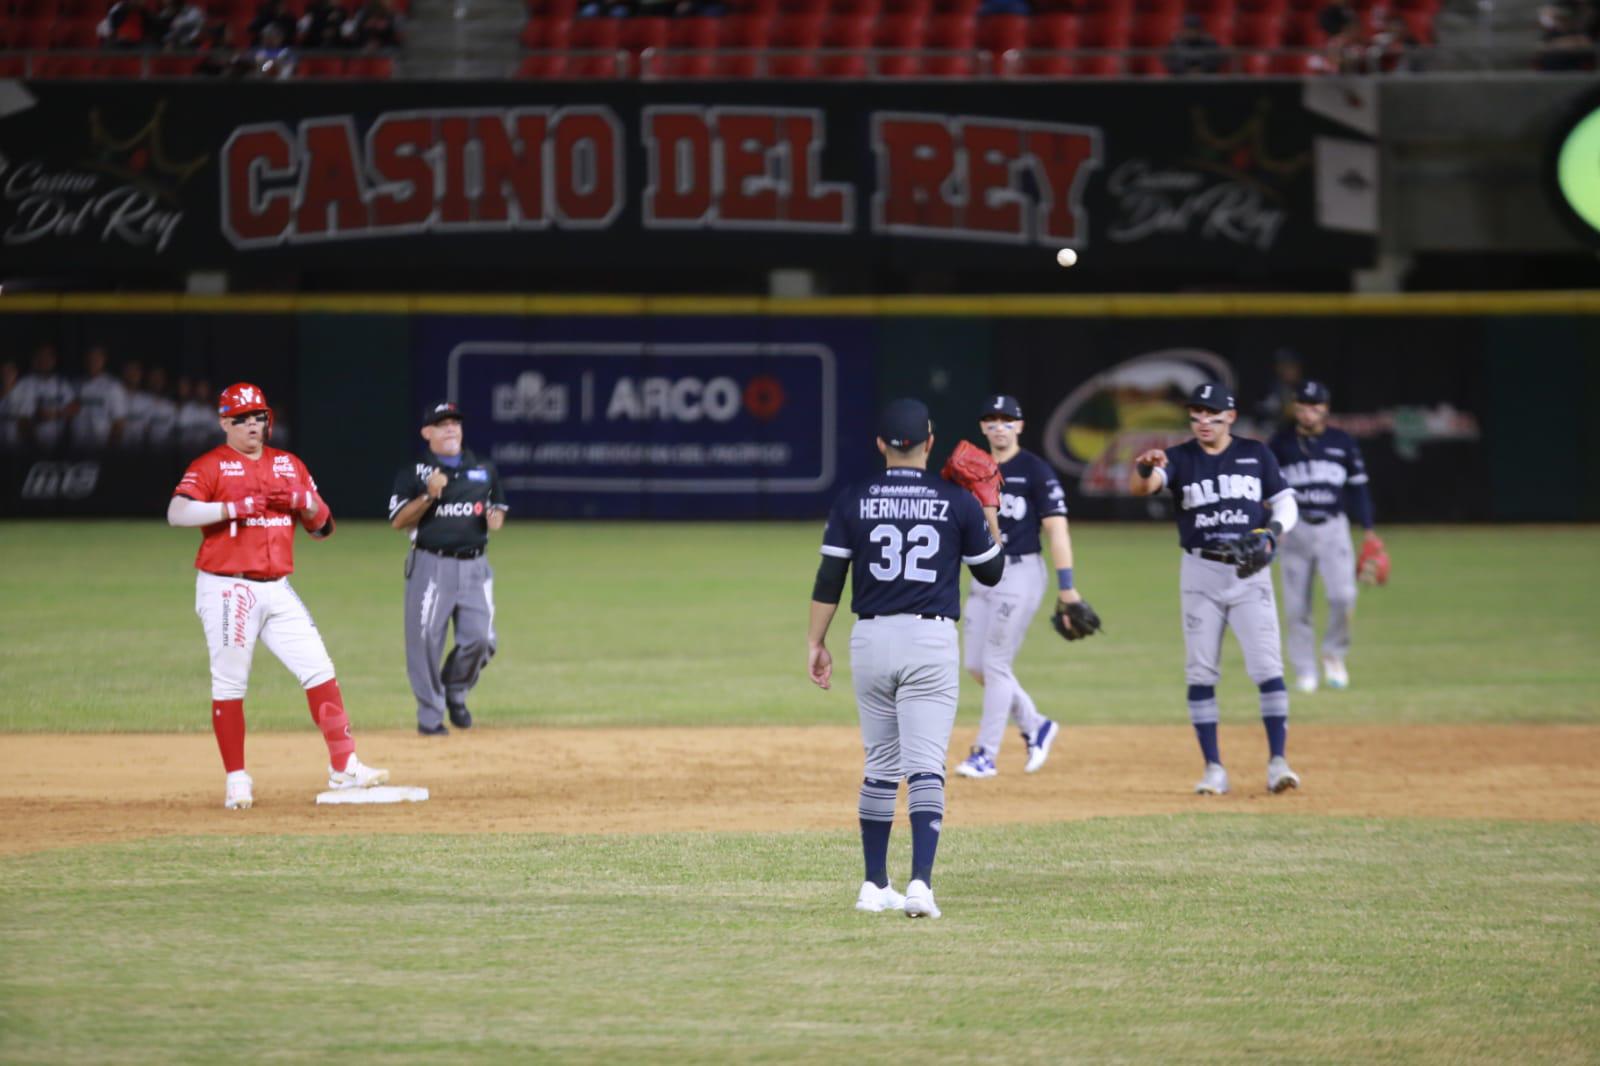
(907, 535)
(1222, 496)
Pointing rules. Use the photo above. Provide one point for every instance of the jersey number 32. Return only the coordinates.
(904, 553)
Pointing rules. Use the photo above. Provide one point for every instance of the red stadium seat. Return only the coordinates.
(1420, 22)
(13, 66)
(950, 34)
(1152, 35)
(742, 37)
(595, 43)
(854, 7)
(1142, 8)
(765, 8)
(802, 7)
(89, 9)
(550, 9)
(917, 8)
(177, 66)
(1102, 34)
(543, 67)
(956, 7)
(793, 46)
(372, 68)
(49, 66)
(1003, 37)
(128, 67)
(898, 32)
(320, 67)
(33, 35)
(1298, 64)
(851, 36)
(1049, 35)
(1262, 7)
(28, 9)
(1100, 9)
(75, 33)
(691, 44)
(1254, 29)
(645, 34)
(549, 37)
(1301, 30)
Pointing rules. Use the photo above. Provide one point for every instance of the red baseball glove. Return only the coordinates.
(976, 471)
(1372, 565)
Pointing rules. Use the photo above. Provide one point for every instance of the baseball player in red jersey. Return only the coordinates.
(247, 498)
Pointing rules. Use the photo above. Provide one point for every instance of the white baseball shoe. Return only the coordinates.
(1039, 746)
(239, 795)
(1215, 781)
(1306, 683)
(1279, 777)
(874, 899)
(919, 901)
(356, 774)
(978, 764)
(1334, 673)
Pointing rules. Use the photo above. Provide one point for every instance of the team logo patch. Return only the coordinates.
(477, 475)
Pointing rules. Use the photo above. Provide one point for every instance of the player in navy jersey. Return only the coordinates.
(907, 532)
(1323, 465)
(1032, 503)
(1227, 489)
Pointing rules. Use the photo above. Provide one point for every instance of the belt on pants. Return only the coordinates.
(1018, 558)
(929, 617)
(246, 577)
(1214, 556)
(454, 553)
(1316, 519)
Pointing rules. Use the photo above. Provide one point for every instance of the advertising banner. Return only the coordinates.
(1252, 176)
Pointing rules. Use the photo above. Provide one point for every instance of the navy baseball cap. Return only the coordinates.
(438, 412)
(1312, 392)
(1213, 396)
(905, 423)
(1001, 405)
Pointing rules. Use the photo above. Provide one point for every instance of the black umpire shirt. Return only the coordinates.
(459, 521)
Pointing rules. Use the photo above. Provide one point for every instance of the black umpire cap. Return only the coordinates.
(435, 413)
(1312, 392)
(1213, 396)
(1006, 406)
(905, 423)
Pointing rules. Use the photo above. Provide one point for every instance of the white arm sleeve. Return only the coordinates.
(183, 511)
(1285, 511)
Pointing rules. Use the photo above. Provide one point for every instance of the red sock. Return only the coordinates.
(227, 722)
(327, 710)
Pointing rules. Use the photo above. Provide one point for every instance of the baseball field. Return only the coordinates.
(646, 851)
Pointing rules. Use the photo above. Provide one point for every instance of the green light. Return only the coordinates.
(1578, 169)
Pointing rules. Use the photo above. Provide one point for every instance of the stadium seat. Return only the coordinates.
(691, 44)
(741, 38)
(75, 33)
(179, 66)
(552, 8)
(1048, 36)
(126, 67)
(51, 66)
(1102, 9)
(956, 7)
(850, 35)
(1298, 65)
(1152, 36)
(1301, 30)
(28, 9)
(1254, 29)
(13, 66)
(320, 67)
(33, 35)
(767, 9)
(549, 36)
(372, 68)
(802, 7)
(1102, 34)
(792, 46)
(641, 34)
(598, 40)
(1262, 7)
(854, 7)
(1420, 22)
(950, 34)
(89, 9)
(1003, 37)
(900, 8)
(900, 32)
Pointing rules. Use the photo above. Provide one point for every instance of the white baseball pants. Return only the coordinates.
(996, 621)
(236, 611)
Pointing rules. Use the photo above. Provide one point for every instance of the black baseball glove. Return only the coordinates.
(1074, 621)
(1253, 552)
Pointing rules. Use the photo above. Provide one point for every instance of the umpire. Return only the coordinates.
(450, 500)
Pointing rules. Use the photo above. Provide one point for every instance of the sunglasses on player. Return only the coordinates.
(246, 419)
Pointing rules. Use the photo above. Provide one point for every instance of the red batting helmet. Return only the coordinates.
(241, 398)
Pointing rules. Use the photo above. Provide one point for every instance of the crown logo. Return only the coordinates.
(1245, 150)
(140, 158)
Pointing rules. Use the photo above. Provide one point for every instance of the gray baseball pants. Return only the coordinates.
(996, 621)
(439, 590)
(1307, 551)
(1216, 599)
(907, 676)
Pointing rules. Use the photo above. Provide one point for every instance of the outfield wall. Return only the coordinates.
(1468, 407)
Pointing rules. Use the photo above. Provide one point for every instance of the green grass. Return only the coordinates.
(608, 624)
(1187, 939)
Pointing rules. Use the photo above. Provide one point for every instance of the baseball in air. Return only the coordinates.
(1066, 257)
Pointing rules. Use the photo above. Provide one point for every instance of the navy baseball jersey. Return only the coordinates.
(1221, 497)
(1031, 492)
(906, 534)
(1318, 469)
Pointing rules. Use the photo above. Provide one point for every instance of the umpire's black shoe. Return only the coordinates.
(460, 717)
(433, 731)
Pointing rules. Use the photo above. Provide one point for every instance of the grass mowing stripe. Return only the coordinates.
(1187, 938)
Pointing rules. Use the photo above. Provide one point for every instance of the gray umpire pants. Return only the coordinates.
(439, 590)
(907, 676)
(1306, 551)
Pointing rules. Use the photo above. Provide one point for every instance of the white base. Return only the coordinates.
(380, 794)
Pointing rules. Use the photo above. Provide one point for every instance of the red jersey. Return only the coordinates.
(260, 547)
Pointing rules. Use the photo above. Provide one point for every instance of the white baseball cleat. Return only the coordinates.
(1334, 673)
(1215, 781)
(874, 899)
(978, 764)
(1039, 746)
(239, 794)
(1279, 777)
(1306, 683)
(356, 774)
(919, 901)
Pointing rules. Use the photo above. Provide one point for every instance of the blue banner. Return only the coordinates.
(684, 418)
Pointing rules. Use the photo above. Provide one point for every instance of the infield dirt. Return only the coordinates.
(64, 790)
